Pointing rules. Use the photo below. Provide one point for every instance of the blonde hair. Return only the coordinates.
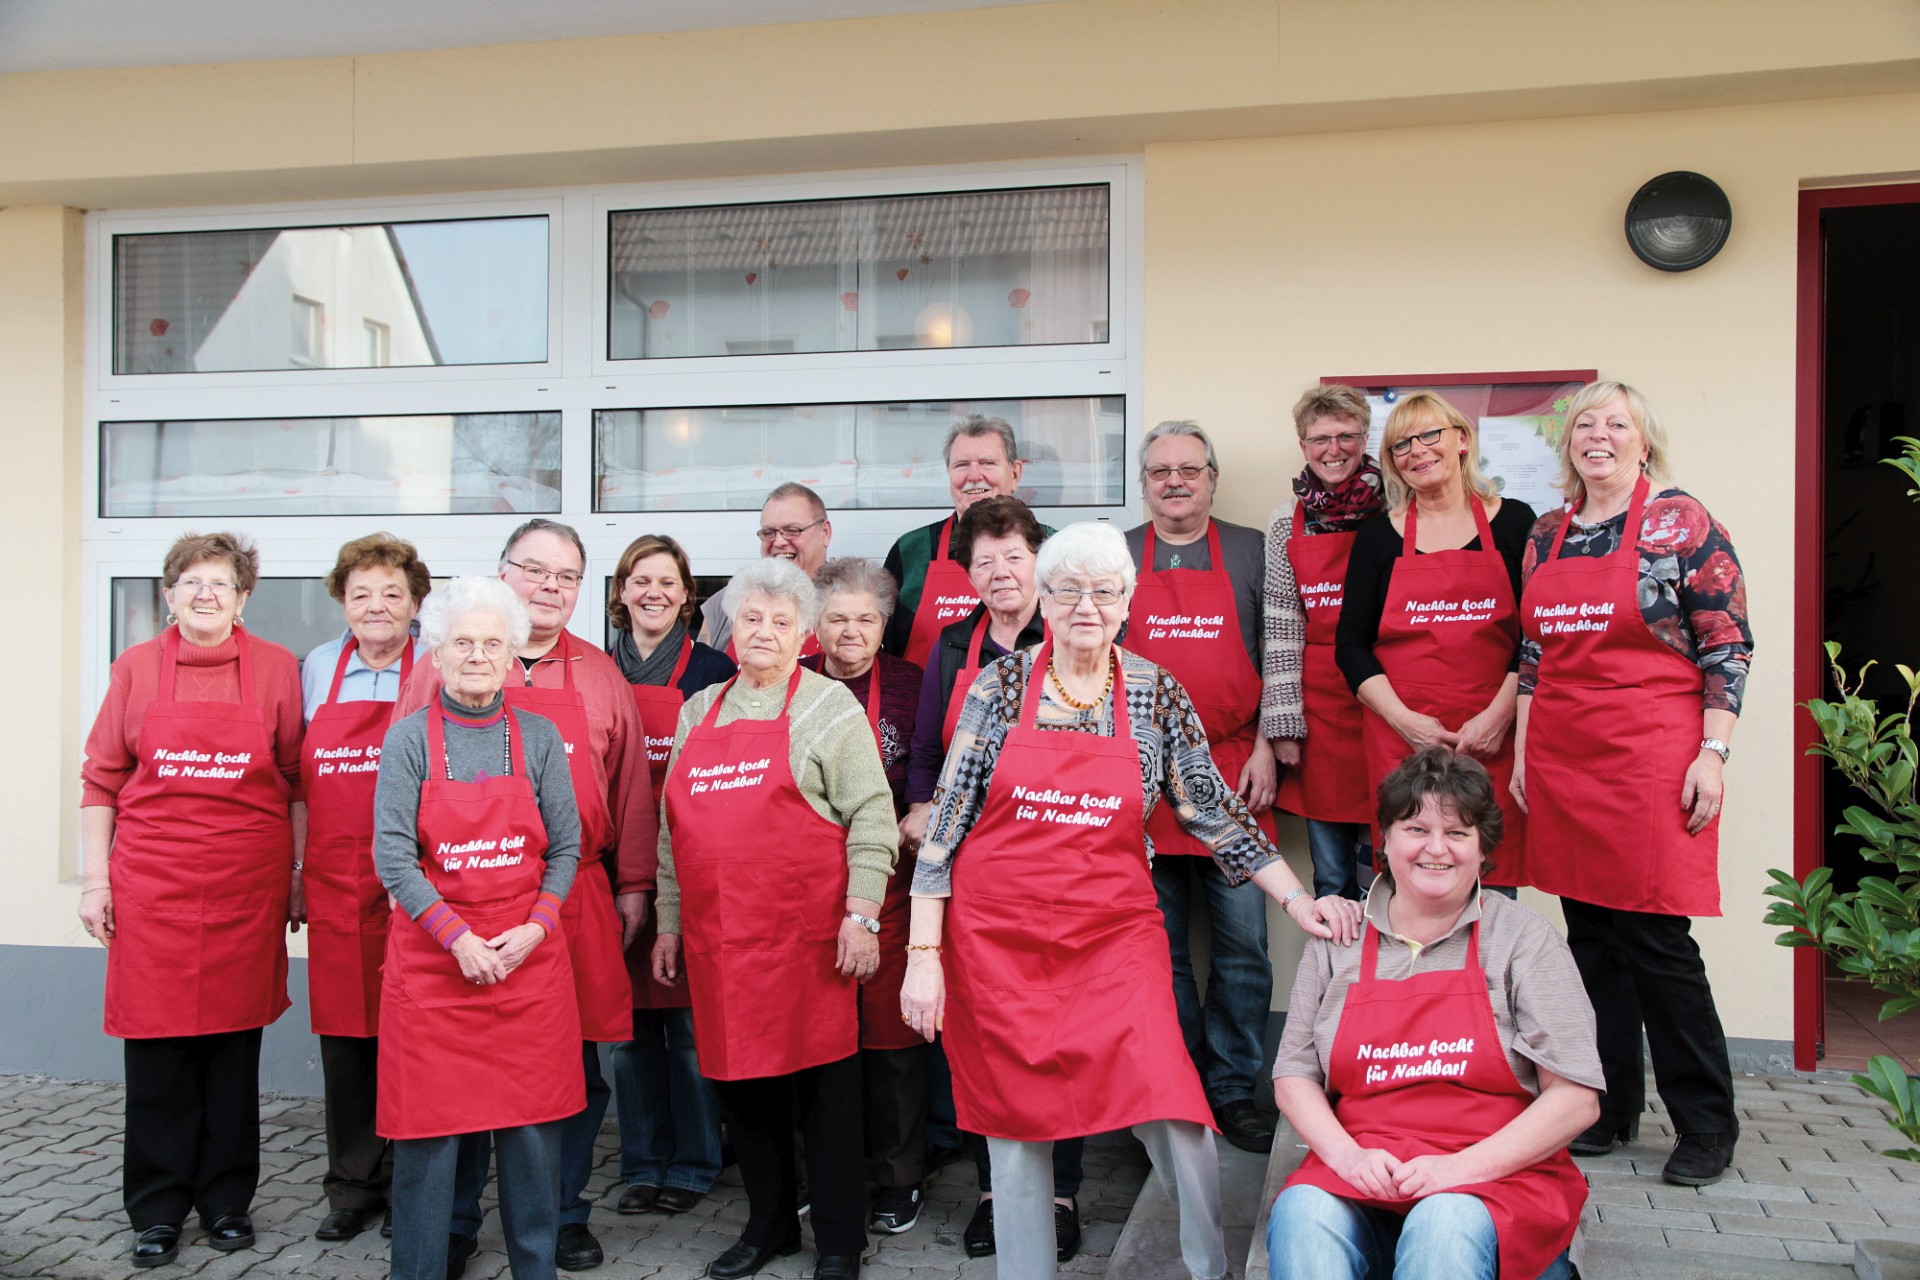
(1423, 411)
(1592, 396)
(1335, 400)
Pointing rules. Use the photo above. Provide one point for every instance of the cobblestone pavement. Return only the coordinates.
(60, 1214)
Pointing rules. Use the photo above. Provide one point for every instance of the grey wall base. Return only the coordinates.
(50, 1025)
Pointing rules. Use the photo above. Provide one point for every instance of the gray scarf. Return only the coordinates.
(657, 667)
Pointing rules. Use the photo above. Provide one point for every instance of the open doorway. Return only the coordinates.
(1860, 315)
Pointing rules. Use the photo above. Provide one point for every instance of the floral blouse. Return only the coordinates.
(1692, 595)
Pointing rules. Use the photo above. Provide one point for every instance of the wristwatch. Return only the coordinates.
(865, 922)
(1718, 748)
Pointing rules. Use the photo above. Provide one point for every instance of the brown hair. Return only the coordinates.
(380, 551)
(1458, 782)
(191, 548)
(996, 517)
(648, 544)
(1335, 400)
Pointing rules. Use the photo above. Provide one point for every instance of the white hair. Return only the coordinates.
(777, 578)
(1179, 427)
(857, 575)
(1093, 548)
(473, 595)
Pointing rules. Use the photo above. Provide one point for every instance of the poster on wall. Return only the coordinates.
(1520, 418)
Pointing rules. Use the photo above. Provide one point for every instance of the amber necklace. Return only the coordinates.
(1053, 674)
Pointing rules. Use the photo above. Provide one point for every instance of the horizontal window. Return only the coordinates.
(294, 612)
(965, 269)
(429, 464)
(853, 455)
(346, 297)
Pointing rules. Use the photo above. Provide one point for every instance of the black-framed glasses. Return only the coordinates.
(539, 573)
(787, 531)
(1402, 447)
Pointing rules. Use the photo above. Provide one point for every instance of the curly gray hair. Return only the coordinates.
(856, 575)
(777, 578)
(473, 595)
(1092, 547)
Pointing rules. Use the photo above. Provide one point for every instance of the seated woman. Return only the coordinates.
(1437, 1067)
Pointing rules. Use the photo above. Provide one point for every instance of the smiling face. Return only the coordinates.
(1429, 467)
(544, 554)
(654, 594)
(206, 601)
(379, 605)
(1334, 447)
(1434, 856)
(1606, 445)
(807, 547)
(767, 636)
(1002, 572)
(1085, 626)
(1174, 500)
(850, 627)
(977, 468)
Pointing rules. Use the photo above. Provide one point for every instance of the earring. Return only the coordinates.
(172, 620)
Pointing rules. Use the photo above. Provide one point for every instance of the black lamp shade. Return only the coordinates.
(1678, 221)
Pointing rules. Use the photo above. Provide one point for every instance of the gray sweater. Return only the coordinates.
(470, 750)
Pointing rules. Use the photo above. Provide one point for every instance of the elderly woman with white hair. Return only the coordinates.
(476, 838)
(774, 857)
(1063, 1019)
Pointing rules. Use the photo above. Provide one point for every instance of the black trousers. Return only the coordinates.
(193, 1127)
(894, 1082)
(1642, 969)
(359, 1161)
(761, 1114)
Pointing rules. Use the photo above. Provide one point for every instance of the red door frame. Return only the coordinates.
(1809, 563)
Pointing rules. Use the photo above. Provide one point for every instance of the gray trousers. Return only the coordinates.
(1185, 1164)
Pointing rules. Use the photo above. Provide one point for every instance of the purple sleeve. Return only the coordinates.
(923, 764)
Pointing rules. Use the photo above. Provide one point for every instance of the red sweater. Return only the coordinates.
(209, 674)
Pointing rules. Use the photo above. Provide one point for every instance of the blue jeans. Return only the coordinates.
(578, 1132)
(1227, 1039)
(1342, 857)
(1315, 1235)
(669, 1115)
(424, 1173)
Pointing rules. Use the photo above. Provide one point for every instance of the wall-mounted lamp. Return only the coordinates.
(1678, 221)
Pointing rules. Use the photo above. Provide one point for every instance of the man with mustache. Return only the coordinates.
(1196, 612)
(793, 526)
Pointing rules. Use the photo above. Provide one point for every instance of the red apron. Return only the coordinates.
(1060, 1017)
(763, 890)
(202, 860)
(1210, 662)
(347, 911)
(880, 1024)
(946, 596)
(1418, 1069)
(659, 706)
(1447, 638)
(456, 1057)
(964, 678)
(587, 917)
(1330, 782)
(1610, 690)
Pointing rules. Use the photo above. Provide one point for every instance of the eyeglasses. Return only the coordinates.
(1102, 597)
(194, 586)
(787, 531)
(1160, 475)
(465, 647)
(1345, 440)
(1402, 447)
(539, 573)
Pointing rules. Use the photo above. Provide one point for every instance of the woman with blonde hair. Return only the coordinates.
(1429, 633)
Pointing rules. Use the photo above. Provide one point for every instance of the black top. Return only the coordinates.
(1376, 545)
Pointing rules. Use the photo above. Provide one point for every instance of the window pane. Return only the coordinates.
(430, 464)
(294, 612)
(853, 455)
(468, 292)
(966, 269)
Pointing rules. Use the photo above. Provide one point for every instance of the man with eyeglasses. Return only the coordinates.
(1196, 612)
(982, 461)
(793, 526)
(580, 689)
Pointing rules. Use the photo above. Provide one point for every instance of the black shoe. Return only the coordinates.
(576, 1249)
(1245, 1126)
(676, 1199)
(744, 1259)
(343, 1224)
(939, 1157)
(836, 1266)
(977, 1239)
(230, 1231)
(1066, 1230)
(1699, 1159)
(386, 1224)
(459, 1249)
(638, 1198)
(1598, 1138)
(156, 1246)
(895, 1209)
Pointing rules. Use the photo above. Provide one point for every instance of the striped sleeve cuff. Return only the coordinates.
(545, 913)
(444, 923)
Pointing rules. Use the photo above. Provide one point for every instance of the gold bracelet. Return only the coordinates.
(933, 947)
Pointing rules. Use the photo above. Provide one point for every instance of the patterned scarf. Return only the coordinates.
(1343, 509)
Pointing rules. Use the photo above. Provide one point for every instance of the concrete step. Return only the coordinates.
(1149, 1245)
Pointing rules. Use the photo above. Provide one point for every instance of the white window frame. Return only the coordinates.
(577, 379)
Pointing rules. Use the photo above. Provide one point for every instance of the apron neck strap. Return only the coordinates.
(1370, 948)
(1479, 510)
(1152, 540)
(680, 666)
(351, 647)
(1043, 658)
(512, 756)
(873, 696)
(1299, 518)
(713, 712)
(945, 540)
(979, 634)
(1629, 533)
(170, 642)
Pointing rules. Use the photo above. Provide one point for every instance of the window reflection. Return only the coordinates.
(963, 269)
(853, 455)
(437, 293)
(294, 612)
